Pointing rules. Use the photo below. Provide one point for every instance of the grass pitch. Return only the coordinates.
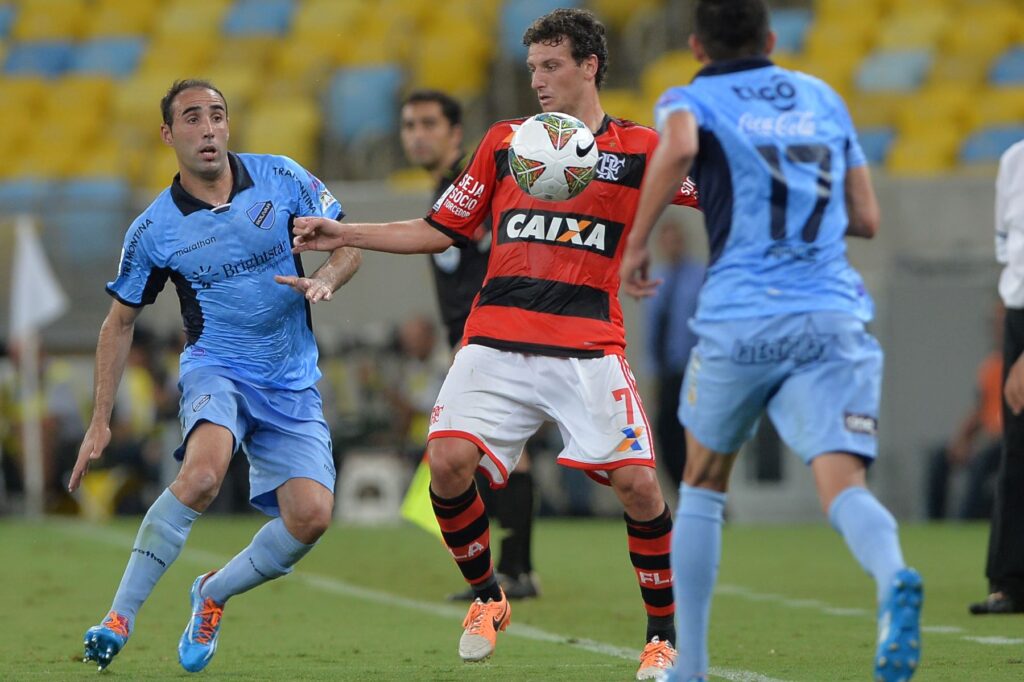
(367, 604)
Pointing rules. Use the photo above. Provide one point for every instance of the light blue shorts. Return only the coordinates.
(818, 375)
(282, 432)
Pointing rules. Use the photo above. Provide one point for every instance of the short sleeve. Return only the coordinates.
(466, 203)
(313, 197)
(854, 153)
(673, 100)
(139, 278)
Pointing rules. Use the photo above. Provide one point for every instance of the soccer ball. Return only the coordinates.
(552, 156)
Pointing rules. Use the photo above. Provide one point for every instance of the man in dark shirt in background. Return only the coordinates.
(432, 139)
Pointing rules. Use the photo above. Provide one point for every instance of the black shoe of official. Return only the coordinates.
(997, 603)
(525, 586)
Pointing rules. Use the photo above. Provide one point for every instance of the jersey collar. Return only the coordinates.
(734, 65)
(188, 204)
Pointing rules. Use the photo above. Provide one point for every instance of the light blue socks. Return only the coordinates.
(696, 549)
(870, 532)
(158, 543)
(271, 554)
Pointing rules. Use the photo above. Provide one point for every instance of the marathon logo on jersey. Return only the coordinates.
(257, 261)
(860, 423)
(802, 349)
(779, 93)
(597, 235)
(461, 197)
(195, 246)
(262, 214)
(128, 252)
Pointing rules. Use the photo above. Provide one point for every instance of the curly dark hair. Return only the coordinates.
(179, 87)
(730, 29)
(585, 32)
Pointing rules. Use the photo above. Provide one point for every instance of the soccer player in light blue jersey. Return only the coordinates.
(781, 316)
(222, 233)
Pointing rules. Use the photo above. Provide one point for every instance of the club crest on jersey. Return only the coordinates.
(261, 214)
(610, 166)
(561, 229)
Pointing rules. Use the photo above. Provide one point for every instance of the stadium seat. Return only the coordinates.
(913, 28)
(47, 58)
(111, 18)
(291, 129)
(184, 55)
(1009, 69)
(936, 106)
(516, 17)
(790, 26)
(259, 17)
(22, 93)
(252, 52)
(192, 18)
(958, 69)
(893, 70)
(927, 152)
(238, 82)
(315, 17)
(617, 15)
(677, 67)
(304, 62)
(25, 195)
(988, 144)
(876, 143)
(7, 15)
(875, 109)
(49, 20)
(362, 102)
(996, 107)
(117, 57)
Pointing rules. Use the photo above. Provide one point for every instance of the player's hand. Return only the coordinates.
(636, 261)
(1013, 391)
(97, 438)
(315, 290)
(317, 234)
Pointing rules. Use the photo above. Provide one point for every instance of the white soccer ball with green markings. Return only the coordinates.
(552, 156)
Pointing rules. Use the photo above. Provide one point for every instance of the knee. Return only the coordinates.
(309, 522)
(641, 494)
(197, 487)
(452, 465)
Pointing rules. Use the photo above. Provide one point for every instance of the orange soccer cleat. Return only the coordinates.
(482, 624)
(655, 660)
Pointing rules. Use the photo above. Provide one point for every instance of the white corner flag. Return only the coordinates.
(36, 296)
(36, 300)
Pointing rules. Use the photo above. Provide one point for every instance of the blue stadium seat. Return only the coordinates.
(94, 192)
(893, 70)
(89, 215)
(47, 58)
(7, 14)
(362, 102)
(790, 26)
(117, 57)
(988, 144)
(263, 17)
(517, 16)
(25, 195)
(1009, 69)
(876, 143)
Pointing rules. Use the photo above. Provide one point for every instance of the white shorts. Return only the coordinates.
(497, 400)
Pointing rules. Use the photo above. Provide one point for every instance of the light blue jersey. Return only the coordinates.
(774, 149)
(222, 261)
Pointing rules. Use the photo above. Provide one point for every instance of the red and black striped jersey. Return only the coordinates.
(552, 282)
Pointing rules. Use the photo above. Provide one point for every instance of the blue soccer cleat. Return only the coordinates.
(899, 629)
(199, 641)
(104, 641)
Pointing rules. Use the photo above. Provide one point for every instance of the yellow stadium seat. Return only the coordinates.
(981, 33)
(158, 170)
(375, 43)
(22, 93)
(304, 62)
(291, 129)
(49, 19)
(920, 27)
(996, 107)
(927, 152)
(79, 96)
(184, 54)
(875, 110)
(626, 103)
(483, 12)
(252, 52)
(677, 67)
(192, 18)
(617, 14)
(410, 180)
(238, 83)
(959, 69)
(104, 158)
(43, 158)
(935, 107)
(119, 18)
(314, 16)
(848, 9)
(827, 39)
(447, 70)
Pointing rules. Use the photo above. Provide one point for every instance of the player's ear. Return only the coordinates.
(166, 135)
(769, 43)
(590, 66)
(697, 48)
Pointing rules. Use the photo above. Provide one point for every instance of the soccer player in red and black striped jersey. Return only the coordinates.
(545, 339)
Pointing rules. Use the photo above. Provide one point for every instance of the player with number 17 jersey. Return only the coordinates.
(774, 145)
(552, 282)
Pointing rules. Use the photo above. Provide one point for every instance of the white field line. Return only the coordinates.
(340, 587)
(822, 607)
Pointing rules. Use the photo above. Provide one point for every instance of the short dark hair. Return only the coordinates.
(450, 106)
(179, 87)
(729, 29)
(581, 27)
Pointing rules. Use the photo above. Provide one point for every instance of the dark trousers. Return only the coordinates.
(1005, 568)
(981, 472)
(671, 436)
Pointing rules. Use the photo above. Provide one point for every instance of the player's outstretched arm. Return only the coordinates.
(407, 236)
(111, 355)
(861, 203)
(336, 271)
(677, 147)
